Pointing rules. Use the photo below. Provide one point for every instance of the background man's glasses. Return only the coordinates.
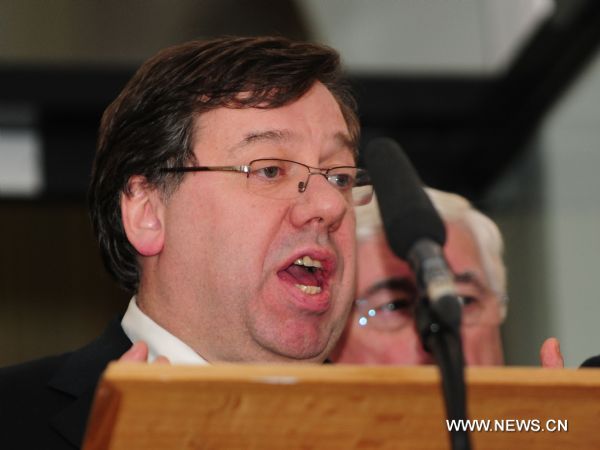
(391, 311)
(286, 179)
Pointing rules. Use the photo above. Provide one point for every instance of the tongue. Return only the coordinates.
(303, 276)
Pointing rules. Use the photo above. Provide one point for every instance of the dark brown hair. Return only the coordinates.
(151, 123)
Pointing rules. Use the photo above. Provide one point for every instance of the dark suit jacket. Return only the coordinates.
(592, 362)
(44, 404)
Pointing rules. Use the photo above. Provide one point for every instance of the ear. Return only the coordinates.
(142, 212)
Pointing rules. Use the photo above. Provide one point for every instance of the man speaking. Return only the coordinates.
(222, 198)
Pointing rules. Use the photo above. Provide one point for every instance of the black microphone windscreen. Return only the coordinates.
(407, 212)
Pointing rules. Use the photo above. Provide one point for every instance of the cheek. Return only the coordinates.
(481, 345)
(475, 337)
(345, 241)
(216, 234)
(371, 346)
(247, 237)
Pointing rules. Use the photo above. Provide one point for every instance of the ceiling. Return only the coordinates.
(461, 84)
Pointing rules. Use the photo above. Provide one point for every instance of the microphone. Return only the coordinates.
(416, 233)
(414, 230)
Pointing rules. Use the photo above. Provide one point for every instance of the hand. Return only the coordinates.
(139, 353)
(550, 355)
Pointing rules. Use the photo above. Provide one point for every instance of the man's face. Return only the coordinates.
(227, 272)
(391, 337)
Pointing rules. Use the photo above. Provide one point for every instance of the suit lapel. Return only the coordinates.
(78, 377)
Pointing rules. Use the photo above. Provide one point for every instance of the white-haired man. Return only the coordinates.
(381, 327)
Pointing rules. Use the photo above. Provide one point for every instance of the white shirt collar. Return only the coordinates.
(139, 327)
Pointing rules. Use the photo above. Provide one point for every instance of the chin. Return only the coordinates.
(305, 347)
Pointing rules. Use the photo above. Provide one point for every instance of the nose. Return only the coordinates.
(422, 356)
(302, 185)
(319, 203)
(412, 351)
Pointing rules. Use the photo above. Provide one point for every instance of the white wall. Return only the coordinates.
(21, 171)
(571, 151)
(425, 35)
(548, 208)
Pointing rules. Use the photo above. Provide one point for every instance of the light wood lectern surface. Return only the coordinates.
(311, 407)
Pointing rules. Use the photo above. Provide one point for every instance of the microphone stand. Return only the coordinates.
(439, 329)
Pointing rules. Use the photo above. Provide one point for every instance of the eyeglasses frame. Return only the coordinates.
(362, 177)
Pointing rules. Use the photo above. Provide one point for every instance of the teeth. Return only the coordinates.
(307, 261)
(310, 290)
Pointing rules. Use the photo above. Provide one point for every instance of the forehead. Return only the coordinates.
(314, 122)
(462, 251)
(376, 262)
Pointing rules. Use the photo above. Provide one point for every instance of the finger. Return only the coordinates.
(137, 353)
(162, 360)
(550, 355)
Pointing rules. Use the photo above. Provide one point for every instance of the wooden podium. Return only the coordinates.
(309, 407)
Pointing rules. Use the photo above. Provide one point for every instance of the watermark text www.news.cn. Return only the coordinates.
(509, 425)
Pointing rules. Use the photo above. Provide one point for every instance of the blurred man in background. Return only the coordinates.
(381, 328)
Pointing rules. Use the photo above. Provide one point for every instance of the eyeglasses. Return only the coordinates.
(390, 306)
(286, 179)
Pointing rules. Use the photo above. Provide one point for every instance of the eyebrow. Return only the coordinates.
(406, 284)
(283, 135)
(346, 141)
(269, 135)
(261, 136)
(396, 283)
(469, 277)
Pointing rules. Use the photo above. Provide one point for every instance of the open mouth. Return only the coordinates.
(309, 273)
